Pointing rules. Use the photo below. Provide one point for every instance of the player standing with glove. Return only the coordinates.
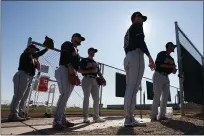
(66, 76)
(161, 85)
(22, 81)
(91, 86)
(135, 47)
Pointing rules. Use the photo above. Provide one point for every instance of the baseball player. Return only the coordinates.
(135, 48)
(68, 65)
(161, 85)
(90, 86)
(22, 81)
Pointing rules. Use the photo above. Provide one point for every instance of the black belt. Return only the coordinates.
(90, 76)
(27, 73)
(163, 73)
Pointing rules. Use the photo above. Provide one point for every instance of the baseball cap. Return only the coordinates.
(78, 35)
(138, 14)
(92, 49)
(33, 46)
(170, 44)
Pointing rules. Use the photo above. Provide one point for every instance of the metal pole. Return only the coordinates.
(140, 88)
(100, 108)
(53, 98)
(180, 69)
(29, 41)
(48, 99)
(203, 80)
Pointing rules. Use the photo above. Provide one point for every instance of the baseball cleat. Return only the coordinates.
(67, 123)
(58, 126)
(163, 118)
(98, 120)
(86, 120)
(134, 124)
(15, 119)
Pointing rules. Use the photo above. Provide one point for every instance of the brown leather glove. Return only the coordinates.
(74, 79)
(49, 43)
(101, 81)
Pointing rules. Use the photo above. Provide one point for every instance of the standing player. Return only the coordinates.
(161, 85)
(90, 86)
(68, 65)
(22, 82)
(135, 47)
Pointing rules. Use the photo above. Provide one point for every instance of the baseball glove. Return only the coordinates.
(49, 43)
(74, 80)
(101, 81)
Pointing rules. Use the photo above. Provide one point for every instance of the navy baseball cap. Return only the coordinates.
(78, 35)
(138, 14)
(170, 44)
(92, 49)
(33, 46)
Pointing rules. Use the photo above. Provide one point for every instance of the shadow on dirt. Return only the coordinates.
(125, 131)
(185, 127)
(51, 131)
(114, 118)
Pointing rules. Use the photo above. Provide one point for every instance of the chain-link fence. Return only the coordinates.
(110, 100)
(191, 74)
(107, 93)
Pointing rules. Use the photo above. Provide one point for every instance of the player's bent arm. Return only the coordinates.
(85, 71)
(100, 75)
(167, 66)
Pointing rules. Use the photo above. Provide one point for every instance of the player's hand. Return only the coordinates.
(72, 71)
(151, 63)
(174, 70)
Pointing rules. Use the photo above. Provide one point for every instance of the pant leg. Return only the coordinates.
(140, 75)
(157, 89)
(134, 71)
(86, 87)
(95, 96)
(21, 82)
(164, 99)
(65, 90)
(22, 105)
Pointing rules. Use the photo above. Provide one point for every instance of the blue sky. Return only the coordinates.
(103, 24)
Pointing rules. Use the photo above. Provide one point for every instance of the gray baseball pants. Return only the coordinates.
(22, 83)
(161, 87)
(90, 86)
(65, 90)
(134, 66)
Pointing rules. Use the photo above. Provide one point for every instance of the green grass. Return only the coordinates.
(42, 109)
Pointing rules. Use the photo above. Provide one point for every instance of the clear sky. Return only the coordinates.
(104, 25)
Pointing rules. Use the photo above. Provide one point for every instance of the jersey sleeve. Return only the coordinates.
(67, 50)
(39, 53)
(82, 64)
(160, 58)
(137, 35)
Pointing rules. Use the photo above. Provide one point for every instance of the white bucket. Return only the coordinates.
(169, 112)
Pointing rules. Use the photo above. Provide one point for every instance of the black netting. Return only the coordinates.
(120, 84)
(192, 69)
(193, 78)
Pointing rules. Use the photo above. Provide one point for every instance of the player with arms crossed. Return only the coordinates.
(91, 86)
(161, 85)
(134, 65)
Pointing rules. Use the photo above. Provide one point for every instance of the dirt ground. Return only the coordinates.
(177, 126)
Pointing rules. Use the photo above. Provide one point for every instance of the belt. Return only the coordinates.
(90, 76)
(163, 73)
(27, 73)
